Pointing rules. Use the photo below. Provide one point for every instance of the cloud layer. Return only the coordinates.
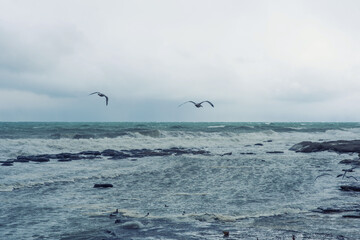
(256, 60)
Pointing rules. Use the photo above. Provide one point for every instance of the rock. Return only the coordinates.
(64, 160)
(39, 159)
(259, 144)
(110, 153)
(350, 188)
(351, 216)
(103, 185)
(339, 146)
(95, 153)
(354, 162)
(72, 156)
(226, 154)
(8, 164)
(330, 210)
(23, 158)
(275, 152)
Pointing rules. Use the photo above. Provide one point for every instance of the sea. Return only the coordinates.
(178, 180)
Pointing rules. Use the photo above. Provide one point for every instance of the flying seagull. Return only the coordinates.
(101, 95)
(198, 105)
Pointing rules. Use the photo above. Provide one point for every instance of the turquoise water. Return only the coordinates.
(252, 193)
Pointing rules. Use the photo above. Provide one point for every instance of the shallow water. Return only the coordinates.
(251, 193)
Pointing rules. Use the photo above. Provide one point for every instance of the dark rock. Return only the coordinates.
(340, 146)
(39, 159)
(103, 185)
(330, 210)
(64, 160)
(275, 152)
(351, 216)
(95, 153)
(226, 154)
(69, 156)
(350, 162)
(8, 164)
(23, 158)
(350, 188)
(110, 153)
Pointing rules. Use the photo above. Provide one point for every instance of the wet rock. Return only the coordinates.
(7, 164)
(275, 152)
(340, 146)
(95, 153)
(39, 159)
(331, 210)
(23, 158)
(351, 216)
(348, 188)
(355, 162)
(103, 185)
(226, 154)
(64, 160)
(72, 156)
(110, 153)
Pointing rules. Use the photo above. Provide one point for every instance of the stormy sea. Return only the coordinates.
(178, 181)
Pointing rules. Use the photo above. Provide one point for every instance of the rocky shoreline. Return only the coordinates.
(111, 154)
(340, 146)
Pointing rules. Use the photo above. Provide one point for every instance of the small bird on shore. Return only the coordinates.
(198, 105)
(101, 95)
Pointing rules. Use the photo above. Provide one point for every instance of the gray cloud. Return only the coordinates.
(258, 60)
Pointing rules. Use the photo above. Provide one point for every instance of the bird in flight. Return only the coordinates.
(198, 105)
(101, 95)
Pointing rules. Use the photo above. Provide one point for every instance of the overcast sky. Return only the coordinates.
(255, 60)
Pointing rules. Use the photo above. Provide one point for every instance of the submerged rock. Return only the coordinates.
(103, 185)
(351, 216)
(354, 162)
(39, 159)
(350, 188)
(8, 164)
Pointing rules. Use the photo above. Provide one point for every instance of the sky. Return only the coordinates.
(278, 60)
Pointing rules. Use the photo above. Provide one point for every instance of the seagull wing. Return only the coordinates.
(93, 93)
(107, 100)
(208, 103)
(187, 102)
